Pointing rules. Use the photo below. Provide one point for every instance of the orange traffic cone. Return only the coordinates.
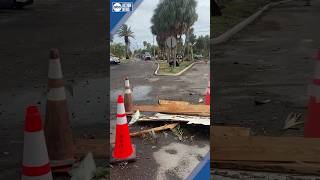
(128, 101)
(312, 125)
(207, 98)
(123, 149)
(57, 127)
(35, 163)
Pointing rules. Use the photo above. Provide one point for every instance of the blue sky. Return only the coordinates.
(140, 22)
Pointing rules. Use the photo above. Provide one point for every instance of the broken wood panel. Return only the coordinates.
(98, 147)
(178, 118)
(229, 131)
(157, 129)
(201, 110)
(255, 148)
(276, 167)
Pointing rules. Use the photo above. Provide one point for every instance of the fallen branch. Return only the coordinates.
(157, 129)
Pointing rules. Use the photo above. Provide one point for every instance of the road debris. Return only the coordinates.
(292, 120)
(176, 107)
(261, 102)
(178, 118)
(135, 117)
(268, 154)
(178, 131)
(86, 170)
(157, 129)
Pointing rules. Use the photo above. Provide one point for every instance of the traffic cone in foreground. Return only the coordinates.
(57, 126)
(35, 163)
(207, 98)
(128, 101)
(123, 149)
(312, 125)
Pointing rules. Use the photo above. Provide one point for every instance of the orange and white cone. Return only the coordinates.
(123, 149)
(207, 98)
(128, 101)
(57, 127)
(312, 125)
(35, 163)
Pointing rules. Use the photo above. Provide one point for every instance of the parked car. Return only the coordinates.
(147, 56)
(114, 60)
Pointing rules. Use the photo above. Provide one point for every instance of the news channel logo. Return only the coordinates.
(122, 6)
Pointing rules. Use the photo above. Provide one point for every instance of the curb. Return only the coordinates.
(177, 74)
(238, 27)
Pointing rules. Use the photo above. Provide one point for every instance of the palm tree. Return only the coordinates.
(145, 44)
(126, 33)
(173, 18)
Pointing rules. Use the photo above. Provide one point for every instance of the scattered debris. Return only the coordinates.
(178, 131)
(157, 129)
(135, 117)
(174, 117)
(292, 120)
(86, 169)
(200, 100)
(261, 102)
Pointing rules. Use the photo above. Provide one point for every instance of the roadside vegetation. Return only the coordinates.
(165, 68)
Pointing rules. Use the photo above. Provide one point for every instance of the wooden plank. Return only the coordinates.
(229, 131)
(255, 148)
(168, 102)
(98, 147)
(157, 129)
(201, 110)
(276, 167)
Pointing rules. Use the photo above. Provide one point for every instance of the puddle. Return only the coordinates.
(139, 93)
(86, 106)
(183, 159)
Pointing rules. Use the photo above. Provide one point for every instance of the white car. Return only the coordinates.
(147, 56)
(114, 60)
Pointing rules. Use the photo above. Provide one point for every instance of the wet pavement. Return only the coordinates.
(272, 59)
(163, 156)
(76, 28)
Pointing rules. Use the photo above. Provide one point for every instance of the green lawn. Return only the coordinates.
(234, 12)
(166, 69)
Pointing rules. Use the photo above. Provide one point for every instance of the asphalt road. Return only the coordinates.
(273, 60)
(78, 30)
(163, 157)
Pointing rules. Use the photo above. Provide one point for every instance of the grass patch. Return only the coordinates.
(235, 11)
(166, 69)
